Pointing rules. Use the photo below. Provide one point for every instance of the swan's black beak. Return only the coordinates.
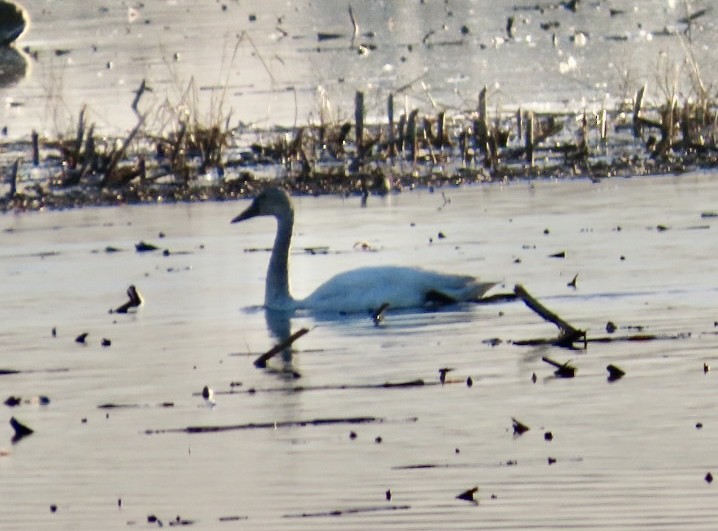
(251, 211)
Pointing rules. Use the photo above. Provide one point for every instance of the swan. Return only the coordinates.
(358, 290)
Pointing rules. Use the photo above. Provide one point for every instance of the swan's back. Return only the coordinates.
(367, 288)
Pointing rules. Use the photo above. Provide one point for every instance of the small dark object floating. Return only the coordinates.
(548, 436)
(106, 342)
(20, 429)
(706, 368)
(81, 338)
(610, 327)
(551, 460)
(134, 300)
(352, 435)
(468, 495)
(469, 382)
(560, 254)
(144, 247)
(563, 370)
(387, 495)
(519, 427)
(13, 401)
(699, 425)
(614, 373)
(442, 373)
(709, 478)
(572, 284)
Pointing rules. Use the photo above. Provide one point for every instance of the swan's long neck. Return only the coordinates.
(276, 295)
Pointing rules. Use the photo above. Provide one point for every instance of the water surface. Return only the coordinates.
(628, 454)
(265, 65)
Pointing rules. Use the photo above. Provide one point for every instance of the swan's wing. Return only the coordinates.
(367, 288)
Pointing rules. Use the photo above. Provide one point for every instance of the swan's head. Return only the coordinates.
(270, 202)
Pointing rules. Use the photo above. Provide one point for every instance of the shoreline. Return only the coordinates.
(214, 162)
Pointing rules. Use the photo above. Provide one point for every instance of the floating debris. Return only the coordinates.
(144, 247)
(105, 342)
(261, 361)
(492, 342)
(572, 284)
(563, 370)
(208, 395)
(548, 436)
(611, 327)
(468, 495)
(343, 512)
(709, 478)
(270, 425)
(81, 338)
(568, 335)
(614, 373)
(134, 300)
(21, 431)
(14, 401)
(519, 427)
(443, 372)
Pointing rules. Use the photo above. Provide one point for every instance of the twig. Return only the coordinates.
(269, 425)
(261, 361)
(568, 335)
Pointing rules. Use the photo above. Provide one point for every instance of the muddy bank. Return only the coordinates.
(199, 162)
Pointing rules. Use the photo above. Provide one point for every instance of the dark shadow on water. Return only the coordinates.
(13, 66)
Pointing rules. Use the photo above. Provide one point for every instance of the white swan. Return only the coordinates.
(358, 290)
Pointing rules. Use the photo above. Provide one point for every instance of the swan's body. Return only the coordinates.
(358, 290)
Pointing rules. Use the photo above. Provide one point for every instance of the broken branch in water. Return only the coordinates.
(269, 425)
(340, 387)
(341, 512)
(261, 361)
(135, 300)
(563, 370)
(568, 335)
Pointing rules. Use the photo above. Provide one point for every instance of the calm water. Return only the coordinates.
(262, 63)
(628, 454)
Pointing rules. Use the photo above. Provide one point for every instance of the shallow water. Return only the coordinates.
(263, 64)
(628, 454)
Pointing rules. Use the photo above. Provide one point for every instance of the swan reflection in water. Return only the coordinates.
(13, 66)
(358, 291)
